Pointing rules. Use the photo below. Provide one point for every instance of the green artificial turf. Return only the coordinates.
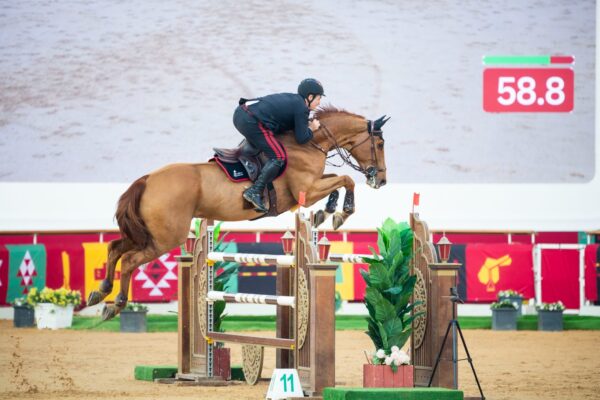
(151, 372)
(155, 323)
(348, 393)
(168, 323)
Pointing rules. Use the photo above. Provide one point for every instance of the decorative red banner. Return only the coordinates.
(494, 267)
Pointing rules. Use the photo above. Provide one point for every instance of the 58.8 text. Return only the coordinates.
(525, 92)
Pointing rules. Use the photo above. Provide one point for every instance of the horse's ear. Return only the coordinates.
(378, 124)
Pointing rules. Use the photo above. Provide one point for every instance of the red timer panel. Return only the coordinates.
(528, 89)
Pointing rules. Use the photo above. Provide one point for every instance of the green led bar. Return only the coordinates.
(527, 60)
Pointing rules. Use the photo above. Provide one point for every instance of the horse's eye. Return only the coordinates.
(380, 146)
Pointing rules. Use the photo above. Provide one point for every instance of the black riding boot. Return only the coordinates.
(254, 193)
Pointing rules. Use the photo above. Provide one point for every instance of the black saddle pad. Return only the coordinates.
(235, 171)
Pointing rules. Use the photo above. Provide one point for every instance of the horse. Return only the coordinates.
(154, 214)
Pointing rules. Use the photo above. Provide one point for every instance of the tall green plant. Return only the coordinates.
(390, 286)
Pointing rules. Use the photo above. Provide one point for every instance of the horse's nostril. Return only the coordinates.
(383, 181)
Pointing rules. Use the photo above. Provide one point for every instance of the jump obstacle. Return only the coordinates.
(305, 339)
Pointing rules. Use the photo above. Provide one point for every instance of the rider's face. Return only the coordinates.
(315, 103)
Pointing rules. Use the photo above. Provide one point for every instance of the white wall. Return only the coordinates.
(576, 207)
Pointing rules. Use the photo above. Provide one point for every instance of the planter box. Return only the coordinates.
(514, 299)
(51, 316)
(383, 376)
(550, 320)
(222, 362)
(504, 319)
(23, 317)
(133, 321)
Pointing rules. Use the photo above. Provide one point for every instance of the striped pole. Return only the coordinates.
(265, 259)
(288, 301)
(350, 258)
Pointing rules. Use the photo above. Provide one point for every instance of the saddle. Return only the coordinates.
(244, 163)
(245, 154)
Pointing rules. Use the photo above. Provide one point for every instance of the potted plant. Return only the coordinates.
(223, 274)
(550, 316)
(504, 316)
(389, 288)
(133, 318)
(23, 313)
(514, 297)
(53, 308)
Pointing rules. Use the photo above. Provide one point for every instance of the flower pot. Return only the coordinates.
(383, 376)
(550, 320)
(133, 321)
(23, 317)
(48, 315)
(504, 319)
(222, 362)
(514, 299)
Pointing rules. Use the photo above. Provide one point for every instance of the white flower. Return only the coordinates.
(404, 359)
(388, 361)
(395, 349)
(380, 353)
(397, 361)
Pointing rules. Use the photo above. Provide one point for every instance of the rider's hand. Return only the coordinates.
(314, 124)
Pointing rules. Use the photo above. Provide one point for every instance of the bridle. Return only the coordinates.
(345, 154)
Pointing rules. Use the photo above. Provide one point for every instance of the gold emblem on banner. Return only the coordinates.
(489, 273)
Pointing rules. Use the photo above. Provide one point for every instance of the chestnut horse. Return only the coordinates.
(155, 212)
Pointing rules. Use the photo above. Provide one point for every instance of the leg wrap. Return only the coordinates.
(106, 286)
(332, 202)
(120, 300)
(349, 203)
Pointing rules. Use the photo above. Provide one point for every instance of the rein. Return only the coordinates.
(346, 155)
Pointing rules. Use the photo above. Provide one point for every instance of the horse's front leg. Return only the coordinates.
(322, 215)
(328, 185)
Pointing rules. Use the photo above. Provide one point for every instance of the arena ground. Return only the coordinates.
(70, 364)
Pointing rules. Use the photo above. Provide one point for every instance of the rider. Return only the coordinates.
(274, 114)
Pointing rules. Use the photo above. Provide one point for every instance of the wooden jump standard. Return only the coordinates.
(305, 339)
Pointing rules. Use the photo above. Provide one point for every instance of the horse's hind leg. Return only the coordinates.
(129, 262)
(116, 249)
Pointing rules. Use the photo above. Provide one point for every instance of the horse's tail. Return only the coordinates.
(128, 216)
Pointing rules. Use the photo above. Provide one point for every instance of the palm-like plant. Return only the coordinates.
(390, 286)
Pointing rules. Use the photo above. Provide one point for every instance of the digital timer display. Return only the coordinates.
(528, 89)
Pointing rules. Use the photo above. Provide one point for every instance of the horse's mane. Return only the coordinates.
(325, 111)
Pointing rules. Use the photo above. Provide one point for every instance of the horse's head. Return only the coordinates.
(362, 138)
(367, 148)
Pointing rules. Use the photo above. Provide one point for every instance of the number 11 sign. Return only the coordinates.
(528, 89)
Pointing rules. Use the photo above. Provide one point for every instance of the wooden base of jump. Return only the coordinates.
(214, 381)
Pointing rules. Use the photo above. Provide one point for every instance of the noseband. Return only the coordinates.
(346, 155)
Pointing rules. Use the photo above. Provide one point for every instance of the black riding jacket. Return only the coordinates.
(284, 112)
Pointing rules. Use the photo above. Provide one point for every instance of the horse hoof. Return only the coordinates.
(338, 220)
(109, 312)
(95, 298)
(318, 218)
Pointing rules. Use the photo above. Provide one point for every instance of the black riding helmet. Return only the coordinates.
(310, 86)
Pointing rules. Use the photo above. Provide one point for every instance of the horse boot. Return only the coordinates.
(255, 192)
